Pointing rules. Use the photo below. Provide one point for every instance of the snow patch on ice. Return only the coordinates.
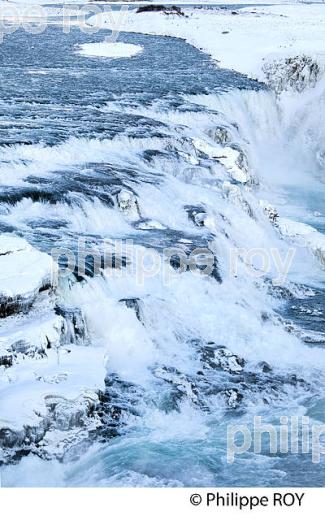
(109, 50)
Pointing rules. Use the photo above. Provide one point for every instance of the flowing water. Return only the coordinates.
(74, 132)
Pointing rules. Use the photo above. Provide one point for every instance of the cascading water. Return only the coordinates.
(128, 152)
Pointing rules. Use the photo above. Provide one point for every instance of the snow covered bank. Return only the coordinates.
(109, 49)
(244, 39)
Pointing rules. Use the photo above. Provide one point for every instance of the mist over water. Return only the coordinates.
(75, 132)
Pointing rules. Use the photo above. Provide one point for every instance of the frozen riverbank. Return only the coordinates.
(241, 39)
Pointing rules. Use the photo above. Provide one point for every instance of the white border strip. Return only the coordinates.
(97, 504)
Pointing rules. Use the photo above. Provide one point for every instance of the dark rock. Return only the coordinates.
(150, 155)
(133, 303)
(6, 361)
(9, 306)
(233, 397)
(76, 328)
(22, 439)
(220, 134)
(120, 398)
(264, 367)
(183, 386)
(10, 438)
(218, 357)
(26, 349)
(160, 8)
(292, 73)
(196, 214)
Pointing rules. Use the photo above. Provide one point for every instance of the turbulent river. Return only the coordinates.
(162, 150)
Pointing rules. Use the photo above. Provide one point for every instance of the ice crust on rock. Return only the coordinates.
(24, 271)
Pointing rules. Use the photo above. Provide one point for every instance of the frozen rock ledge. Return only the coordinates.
(24, 271)
(109, 49)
